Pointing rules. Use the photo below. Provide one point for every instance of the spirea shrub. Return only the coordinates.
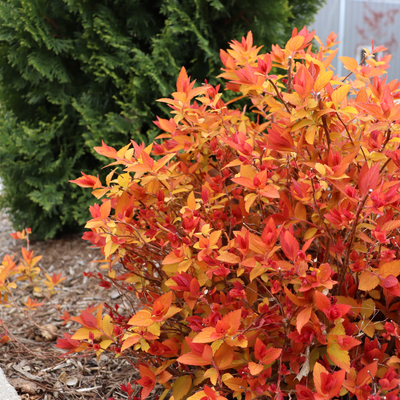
(258, 247)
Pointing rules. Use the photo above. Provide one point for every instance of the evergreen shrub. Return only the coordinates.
(73, 73)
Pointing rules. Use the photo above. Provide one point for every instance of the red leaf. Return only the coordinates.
(368, 178)
(390, 281)
(259, 349)
(87, 181)
(289, 245)
(88, 319)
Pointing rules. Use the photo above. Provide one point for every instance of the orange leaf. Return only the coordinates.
(105, 209)
(130, 341)
(233, 319)
(390, 268)
(368, 281)
(254, 368)
(372, 109)
(296, 300)
(141, 318)
(303, 318)
(223, 357)
(229, 258)
(321, 301)
(350, 63)
(270, 192)
(271, 355)
(365, 376)
(191, 201)
(192, 359)
(106, 151)
(205, 335)
(317, 371)
(294, 44)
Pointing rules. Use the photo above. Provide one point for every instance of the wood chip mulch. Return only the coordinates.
(30, 360)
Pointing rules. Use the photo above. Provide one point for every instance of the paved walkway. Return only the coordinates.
(7, 392)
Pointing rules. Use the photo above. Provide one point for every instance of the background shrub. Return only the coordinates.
(75, 72)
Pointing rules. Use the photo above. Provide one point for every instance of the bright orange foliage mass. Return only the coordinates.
(261, 243)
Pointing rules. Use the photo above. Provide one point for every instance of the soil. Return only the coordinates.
(30, 360)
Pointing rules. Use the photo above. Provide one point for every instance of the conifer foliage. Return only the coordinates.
(73, 73)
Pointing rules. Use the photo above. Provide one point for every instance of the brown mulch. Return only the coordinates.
(30, 360)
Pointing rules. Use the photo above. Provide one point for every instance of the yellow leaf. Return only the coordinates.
(104, 344)
(368, 281)
(349, 301)
(300, 124)
(233, 163)
(310, 233)
(320, 168)
(83, 333)
(109, 248)
(235, 384)
(196, 396)
(367, 308)
(181, 387)
(340, 93)
(249, 200)
(322, 81)
(349, 109)
(214, 237)
(108, 326)
(339, 357)
(212, 374)
(111, 274)
(184, 265)
(256, 272)
(338, 330)
(367, 327)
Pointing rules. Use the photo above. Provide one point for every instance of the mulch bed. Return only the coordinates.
(30, 361)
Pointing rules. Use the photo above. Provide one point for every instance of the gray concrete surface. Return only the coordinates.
(7, 392)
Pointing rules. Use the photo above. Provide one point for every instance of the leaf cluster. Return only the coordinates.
(257, 256)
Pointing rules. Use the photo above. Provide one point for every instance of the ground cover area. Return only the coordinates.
(30, 360)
